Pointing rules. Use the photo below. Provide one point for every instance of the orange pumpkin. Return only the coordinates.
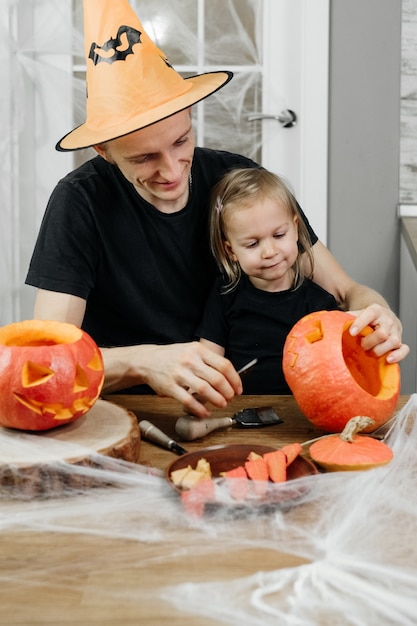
(333, 378)
(350, 451)
(51, 373)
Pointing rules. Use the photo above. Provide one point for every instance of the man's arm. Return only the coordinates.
(368, 305)
(176, 370)
(213, 346)
(62, 307)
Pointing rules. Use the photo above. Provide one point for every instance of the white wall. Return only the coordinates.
(408, 140)
(364, 145)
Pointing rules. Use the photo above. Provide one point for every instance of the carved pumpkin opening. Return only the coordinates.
(50, 373)
(21, 334)
(81, 379)
(332, 377)
(96, 362)
(316, 333)
(35, 374)
(371, 373)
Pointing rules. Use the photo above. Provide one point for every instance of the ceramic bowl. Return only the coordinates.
(227, 457)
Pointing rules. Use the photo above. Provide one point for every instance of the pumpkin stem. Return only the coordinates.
(354, 426)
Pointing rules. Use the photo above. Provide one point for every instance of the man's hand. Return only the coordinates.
(387, 334)
(191, 372)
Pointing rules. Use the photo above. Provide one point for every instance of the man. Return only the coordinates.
(123, 249)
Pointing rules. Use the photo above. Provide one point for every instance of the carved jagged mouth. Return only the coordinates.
(36, 375)
(56, 410)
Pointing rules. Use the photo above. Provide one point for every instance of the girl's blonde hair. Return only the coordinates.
(246, 186)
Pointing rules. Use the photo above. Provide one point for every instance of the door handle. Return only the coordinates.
(287, 118)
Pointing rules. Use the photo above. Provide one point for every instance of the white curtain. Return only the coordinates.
(35, 46)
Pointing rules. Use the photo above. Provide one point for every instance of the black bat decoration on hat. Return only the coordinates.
(116, 49)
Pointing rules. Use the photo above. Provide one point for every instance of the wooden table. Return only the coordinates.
(164, 412)
(38, 569)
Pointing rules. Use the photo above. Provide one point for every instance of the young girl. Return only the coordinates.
(258, 240)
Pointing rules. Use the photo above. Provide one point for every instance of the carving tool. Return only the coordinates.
(190, 428)
(150, 432)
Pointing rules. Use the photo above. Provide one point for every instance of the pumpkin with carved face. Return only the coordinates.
(51, 373)
(333, 378)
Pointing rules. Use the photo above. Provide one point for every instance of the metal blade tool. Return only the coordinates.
(190, 428)
(152, 433)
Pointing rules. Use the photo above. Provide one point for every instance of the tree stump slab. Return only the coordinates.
(37, 462)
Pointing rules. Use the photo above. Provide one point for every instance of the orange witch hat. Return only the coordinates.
(130, 83)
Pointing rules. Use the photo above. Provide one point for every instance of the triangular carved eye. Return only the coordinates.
(81, 379)
(35, 374)
(96, 363)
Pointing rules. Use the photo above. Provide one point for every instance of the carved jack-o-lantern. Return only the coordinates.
(333, 378)
(51, 373)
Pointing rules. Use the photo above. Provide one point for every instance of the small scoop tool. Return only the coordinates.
(190, 428)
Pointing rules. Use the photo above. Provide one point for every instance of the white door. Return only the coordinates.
(295, 52)
(278, 51)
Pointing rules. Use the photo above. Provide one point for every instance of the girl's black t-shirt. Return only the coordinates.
(250, 323)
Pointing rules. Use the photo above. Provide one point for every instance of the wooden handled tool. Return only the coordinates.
(152, 433)
(189, 428)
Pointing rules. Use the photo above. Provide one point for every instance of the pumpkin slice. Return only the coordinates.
(178, 475)
(277, 466)
(257, 469)
(195, 499)
(291, 451)
(203, 466)
(350, 451)
(238, 489)
(236, 472)
(252, 456)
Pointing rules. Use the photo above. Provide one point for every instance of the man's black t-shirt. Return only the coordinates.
(145, 275)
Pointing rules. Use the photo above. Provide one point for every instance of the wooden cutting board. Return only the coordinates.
(31, 459)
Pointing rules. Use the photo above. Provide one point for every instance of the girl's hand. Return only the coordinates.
(387, 335)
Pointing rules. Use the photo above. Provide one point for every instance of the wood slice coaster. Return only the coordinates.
(39, 463)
